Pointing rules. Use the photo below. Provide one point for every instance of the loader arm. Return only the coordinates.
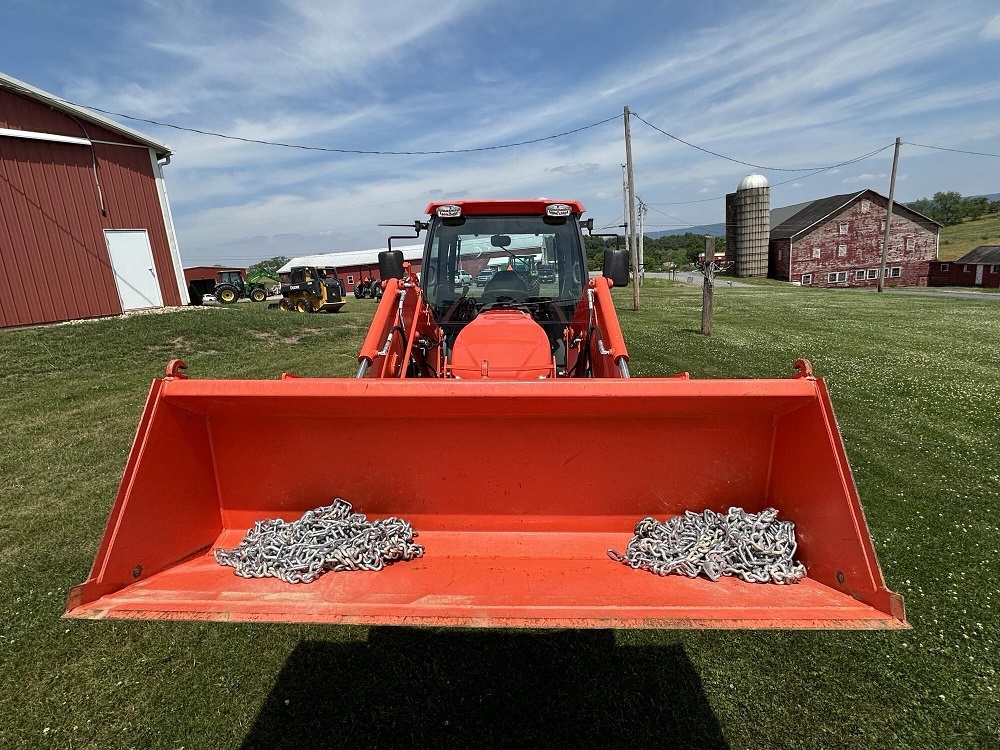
(597, 348)
(403, 339)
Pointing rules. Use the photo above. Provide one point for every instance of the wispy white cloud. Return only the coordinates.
(992, 28)
(867, 177)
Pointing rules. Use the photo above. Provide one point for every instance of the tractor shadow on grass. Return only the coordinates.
(423, 688)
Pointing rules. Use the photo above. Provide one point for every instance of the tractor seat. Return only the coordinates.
(505, 284)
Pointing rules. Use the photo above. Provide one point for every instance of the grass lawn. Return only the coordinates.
(959, 239)
(915, 384)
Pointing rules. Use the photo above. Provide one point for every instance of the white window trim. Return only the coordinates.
(806, 280)
(864, 207)
(872, 273)
(895, 272)
(944, 266)
(845, 227)
(834, 277)
(350, 279)
(841, 251)
(36, 136)
(817, 253)
(859, 275)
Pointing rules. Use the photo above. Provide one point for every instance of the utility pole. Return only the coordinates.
(642, 236)
(631, 212)
(888, 218)
(625, 208)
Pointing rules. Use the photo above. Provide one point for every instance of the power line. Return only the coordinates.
(343, 150)
(953, 150)
(785, 182)
(756, 166)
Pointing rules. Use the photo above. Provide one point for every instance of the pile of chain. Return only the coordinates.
(755, 547)
(323, 539)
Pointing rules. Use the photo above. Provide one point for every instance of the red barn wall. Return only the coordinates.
(779, 254)
(950, 273)
(351, 275)
(54, 262)
(912, 247)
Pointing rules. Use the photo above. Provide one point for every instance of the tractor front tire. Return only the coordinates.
(258, 295)
(286, 305)
(304, 305)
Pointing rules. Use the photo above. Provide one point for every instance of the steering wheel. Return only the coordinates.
(462, 309)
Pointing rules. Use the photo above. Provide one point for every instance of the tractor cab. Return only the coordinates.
(467, 238)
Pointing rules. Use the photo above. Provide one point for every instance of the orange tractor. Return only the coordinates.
(459, 380)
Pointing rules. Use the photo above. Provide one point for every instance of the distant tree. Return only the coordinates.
(948, 207)
(268, 267)
(951, 208)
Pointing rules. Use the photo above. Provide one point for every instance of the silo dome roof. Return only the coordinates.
(753, 181)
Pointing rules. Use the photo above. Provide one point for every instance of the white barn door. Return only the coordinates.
(132, 263)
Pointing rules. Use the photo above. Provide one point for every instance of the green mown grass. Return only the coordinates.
(915, 384)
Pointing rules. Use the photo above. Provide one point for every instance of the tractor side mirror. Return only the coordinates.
(616, 266)
(390, 264)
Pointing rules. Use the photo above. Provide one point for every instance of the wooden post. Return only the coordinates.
(708, 286)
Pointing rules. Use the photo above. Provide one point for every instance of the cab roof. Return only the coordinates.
(504, 207)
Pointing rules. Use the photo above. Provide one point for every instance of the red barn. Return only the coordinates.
(837, 242)
(85, 226)
(978, 267)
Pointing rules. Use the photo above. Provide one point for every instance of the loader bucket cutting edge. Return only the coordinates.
(516, 489)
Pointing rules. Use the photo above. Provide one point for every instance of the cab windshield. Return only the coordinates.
(476, 262)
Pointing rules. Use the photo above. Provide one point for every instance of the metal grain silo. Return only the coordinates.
(752, 209)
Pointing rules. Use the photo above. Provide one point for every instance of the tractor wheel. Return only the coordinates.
(534, 288)
(285, 305)
(304, 305)
(258, 295)
(226, 294)
(358, 293)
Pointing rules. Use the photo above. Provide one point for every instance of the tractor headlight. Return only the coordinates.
(449, 212)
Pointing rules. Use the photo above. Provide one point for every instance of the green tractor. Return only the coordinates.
(232, 287)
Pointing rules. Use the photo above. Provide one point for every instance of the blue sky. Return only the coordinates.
(782, 84)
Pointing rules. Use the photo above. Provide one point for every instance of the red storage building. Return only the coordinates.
(978, 267)
(85, 226)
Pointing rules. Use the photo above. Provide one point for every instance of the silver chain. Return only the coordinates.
(755, 547)
(331, 537)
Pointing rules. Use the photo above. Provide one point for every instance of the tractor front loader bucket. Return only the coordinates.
(517, 490)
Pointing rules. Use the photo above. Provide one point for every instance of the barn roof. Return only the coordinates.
(350, 258)
(61, 105)
(983, 254)
(793, 221)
